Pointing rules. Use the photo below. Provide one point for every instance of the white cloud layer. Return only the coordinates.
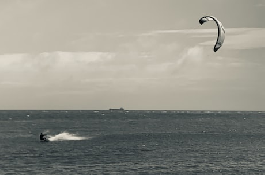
(236, 38)
(242, 39)
(171, 65)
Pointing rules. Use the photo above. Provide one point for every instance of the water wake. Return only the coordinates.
(65, 136)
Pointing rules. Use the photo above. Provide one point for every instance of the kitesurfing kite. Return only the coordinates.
(221, 31)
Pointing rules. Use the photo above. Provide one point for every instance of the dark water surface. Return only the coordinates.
(133, 142)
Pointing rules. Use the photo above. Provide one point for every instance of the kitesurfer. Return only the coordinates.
(42, 137)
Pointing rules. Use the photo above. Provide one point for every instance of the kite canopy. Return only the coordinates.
(221, 31)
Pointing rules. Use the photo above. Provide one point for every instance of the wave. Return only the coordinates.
(65, 136)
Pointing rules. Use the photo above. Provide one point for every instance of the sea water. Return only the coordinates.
(132, 142)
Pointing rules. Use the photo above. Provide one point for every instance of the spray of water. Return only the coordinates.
(65, 136)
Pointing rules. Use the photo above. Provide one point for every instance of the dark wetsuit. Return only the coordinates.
(42, 137)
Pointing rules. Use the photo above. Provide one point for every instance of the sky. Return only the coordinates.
(135, 54)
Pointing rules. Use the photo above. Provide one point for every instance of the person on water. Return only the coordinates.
(42, 136)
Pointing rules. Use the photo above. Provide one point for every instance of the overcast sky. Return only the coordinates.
(136, 54)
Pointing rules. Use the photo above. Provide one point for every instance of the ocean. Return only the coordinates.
(132, 142)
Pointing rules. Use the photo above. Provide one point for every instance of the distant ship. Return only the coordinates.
(116, 110)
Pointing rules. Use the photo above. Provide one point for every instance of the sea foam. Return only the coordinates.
(65, 136)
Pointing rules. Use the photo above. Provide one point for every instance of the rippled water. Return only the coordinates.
(134, 142)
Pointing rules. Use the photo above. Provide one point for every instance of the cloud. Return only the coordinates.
(137, 66)
(97, 71)
(260, 5)
(245, 38)
(51, 60)
(236, 38)
(53, 70)
(161, 55)
(197, 31)
(184, 31)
